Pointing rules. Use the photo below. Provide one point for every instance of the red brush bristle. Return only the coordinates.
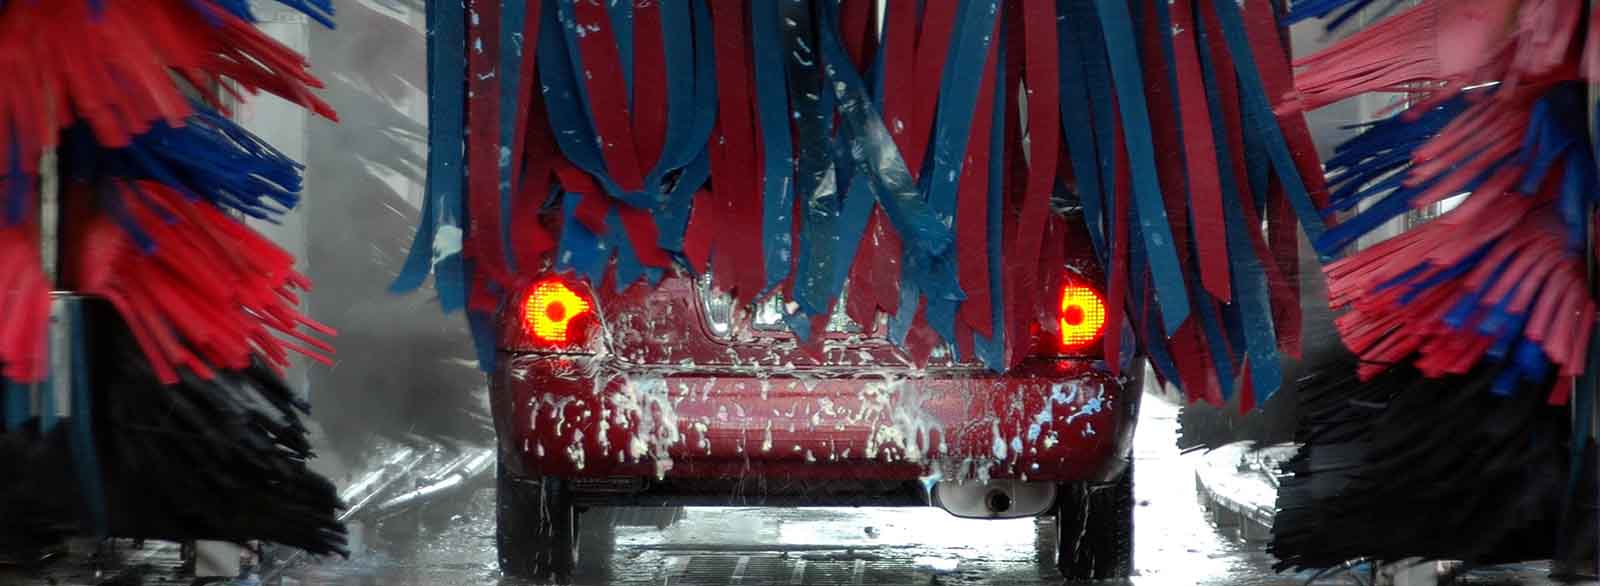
(209, 295)
(26, 296)
(113, 68)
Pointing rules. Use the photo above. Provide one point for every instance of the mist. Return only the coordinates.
(405, 371)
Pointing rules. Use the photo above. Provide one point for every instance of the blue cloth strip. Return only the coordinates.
(691, 86)
(580, 250)
(958, 99)
(1077, 122)
(811, 107)
(567, 101)
(621, 16)
(772, 110)
(1249, 318)
(672, 218)
(875, 155)
(927, 240)
(438, 242)
(991, 349)
(691, 113)
(1254, 100)
(513, 21)
(1165, 272)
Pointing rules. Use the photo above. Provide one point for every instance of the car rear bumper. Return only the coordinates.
(582, 418)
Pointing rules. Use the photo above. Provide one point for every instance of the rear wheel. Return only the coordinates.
(1094, 529)
(536, 530)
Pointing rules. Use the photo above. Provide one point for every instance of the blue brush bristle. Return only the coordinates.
(209, 157)
(1304, 10)
(319, 10)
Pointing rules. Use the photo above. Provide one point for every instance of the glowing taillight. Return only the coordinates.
(1082, 317)
(554, 314)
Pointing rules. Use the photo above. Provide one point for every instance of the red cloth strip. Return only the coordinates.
(875, 275)
(735, 152)
(1164, 125)
(527, 91)
(1116, 293)
(858, 30)
(1277, 285)
(1205, 184)
(1277, 78)
(1284, 240)
(1227, 79)
(594, 206)
(484, 247)
(602, 77)
(972, 208)
(1041, 55)
(933, 44)
(649, 84)
(643, 235)
(530, 240)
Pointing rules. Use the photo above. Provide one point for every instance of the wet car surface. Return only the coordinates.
(452, 543)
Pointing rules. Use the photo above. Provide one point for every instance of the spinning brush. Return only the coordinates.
(1496, 118)
(150, 131)
(219, 459)
(1406, 465)
(1467, 331)
(111, 64)
(204, 306)
(210, 293)
(889, 161)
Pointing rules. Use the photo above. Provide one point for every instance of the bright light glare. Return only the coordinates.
(550, 309)
(1082, 318)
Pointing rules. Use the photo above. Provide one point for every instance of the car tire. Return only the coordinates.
(1094, 529)
(536, 527)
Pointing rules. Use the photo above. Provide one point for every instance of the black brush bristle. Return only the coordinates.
(1407, 466)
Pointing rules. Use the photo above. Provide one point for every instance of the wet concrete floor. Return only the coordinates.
(453, 544)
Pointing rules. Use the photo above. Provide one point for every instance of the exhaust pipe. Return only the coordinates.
(995, 499)
(998, 501)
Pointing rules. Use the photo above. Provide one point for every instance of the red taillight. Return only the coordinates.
(1081, 317)
(556, 315)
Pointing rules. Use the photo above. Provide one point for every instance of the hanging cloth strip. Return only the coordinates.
(973, 40)
(974, 192)
(1041, 72)
(863, 158)
(860, 205)
(927, 242)
(734, 154)
(437, 247)
(874, 276)
(595, 124)
(483, 250)
(1154, 230)
(991, 348)
(818, 190)
(526, 174)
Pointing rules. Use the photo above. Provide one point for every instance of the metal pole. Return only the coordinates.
(1593, 411)
(1585, 406)
(53, 398)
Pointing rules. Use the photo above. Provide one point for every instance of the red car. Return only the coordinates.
(672, 396)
